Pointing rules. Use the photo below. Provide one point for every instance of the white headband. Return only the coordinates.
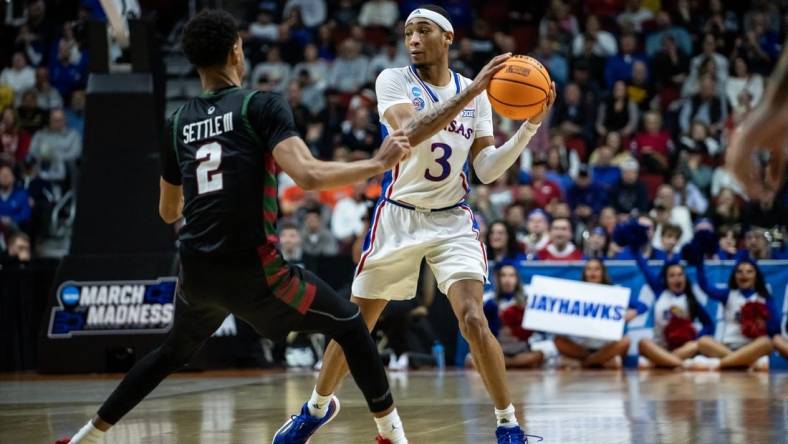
(439, 20)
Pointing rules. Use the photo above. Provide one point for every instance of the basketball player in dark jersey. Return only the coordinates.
(219, 163)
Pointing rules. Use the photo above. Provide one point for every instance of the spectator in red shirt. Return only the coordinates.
(14, 141)
(653, 146)
(545, 190)
(560, 247)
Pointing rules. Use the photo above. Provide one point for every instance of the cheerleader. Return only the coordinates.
(675, 310)
(781, 343)
(598, 352)
(750, 318)
(504, 310)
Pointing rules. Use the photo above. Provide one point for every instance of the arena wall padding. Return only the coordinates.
(118, 186)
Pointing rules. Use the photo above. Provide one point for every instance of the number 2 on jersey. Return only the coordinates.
(209, 178)
(443, 161)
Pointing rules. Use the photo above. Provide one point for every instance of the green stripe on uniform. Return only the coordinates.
(245, 117)
(296, 301)
(175, 133)
(268, 227)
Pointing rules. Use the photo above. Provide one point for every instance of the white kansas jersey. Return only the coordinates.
(436, 174)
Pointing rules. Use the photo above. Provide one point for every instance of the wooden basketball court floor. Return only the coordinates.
(564, 407)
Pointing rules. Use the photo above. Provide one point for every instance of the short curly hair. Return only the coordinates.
(209, 37)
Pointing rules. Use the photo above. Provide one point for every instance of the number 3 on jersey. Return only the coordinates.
(209, 178)
(443, 161)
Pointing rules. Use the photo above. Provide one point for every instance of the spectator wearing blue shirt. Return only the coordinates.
(669, 238)
(64, 74)
(14, 205)
(557, 170)
(502, 244)
(757, 245)
(75, 114)
(728, 244)
(619, 67)
(679, 34)
(585, 197)
(603, 172)
(555, 63)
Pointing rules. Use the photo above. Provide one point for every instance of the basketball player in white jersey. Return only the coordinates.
(422, 211)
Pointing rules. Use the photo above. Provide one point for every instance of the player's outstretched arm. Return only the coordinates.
(765, 127)
(170, 201)
(309, 173)
(420, 127)
(489, 162)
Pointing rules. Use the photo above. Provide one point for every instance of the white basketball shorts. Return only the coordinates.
(399, 238)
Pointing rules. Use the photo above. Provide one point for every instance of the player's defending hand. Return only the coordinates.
(537, 119)
(394, 149)
(482, 79)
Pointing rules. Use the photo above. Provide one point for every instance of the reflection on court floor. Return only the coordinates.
(563, 407)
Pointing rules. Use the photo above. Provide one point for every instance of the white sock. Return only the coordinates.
(318, 404)
(506, 417)
(88, 434)
(390, 427)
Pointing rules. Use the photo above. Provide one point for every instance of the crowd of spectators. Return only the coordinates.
(42, 104)
(649, 93)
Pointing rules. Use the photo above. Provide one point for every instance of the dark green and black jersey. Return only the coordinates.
(219, 147)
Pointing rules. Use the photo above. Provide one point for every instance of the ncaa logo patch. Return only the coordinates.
(418, 103)
(415, 91)
(468, 113)
(69, 295)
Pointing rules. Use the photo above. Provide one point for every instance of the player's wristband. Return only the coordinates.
(491, 162)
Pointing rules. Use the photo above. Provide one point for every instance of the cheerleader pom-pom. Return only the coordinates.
(691, 254)
(753, 319)
(679, 331)
(706, 242)
(630, 234)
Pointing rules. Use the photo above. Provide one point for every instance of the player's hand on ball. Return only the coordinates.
(546, 108)
(482, 79)
(394, 149)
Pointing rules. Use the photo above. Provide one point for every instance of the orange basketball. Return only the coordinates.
(519, 90)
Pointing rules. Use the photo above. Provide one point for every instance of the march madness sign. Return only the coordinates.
(113, 307)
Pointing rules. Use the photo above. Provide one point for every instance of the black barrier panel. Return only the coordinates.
(118, 186)
(24, 294)
(71, 344)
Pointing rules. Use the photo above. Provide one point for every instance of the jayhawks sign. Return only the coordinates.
(576, 308)
(113, 307)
